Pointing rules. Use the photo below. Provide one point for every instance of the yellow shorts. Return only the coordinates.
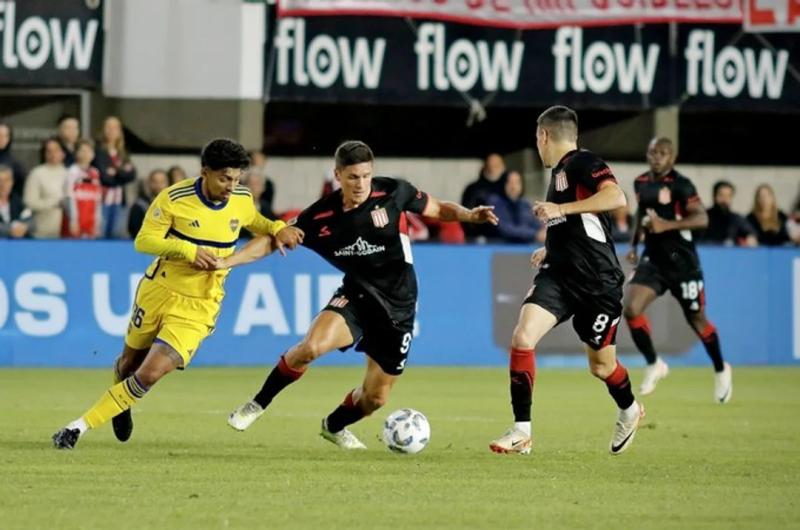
(160, 314)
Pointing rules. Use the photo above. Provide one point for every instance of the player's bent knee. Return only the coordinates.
(307, 351)
(602, 370)
(372, 401)
(522, 340)
(631, 311)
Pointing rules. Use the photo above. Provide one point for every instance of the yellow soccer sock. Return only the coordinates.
(116, 399)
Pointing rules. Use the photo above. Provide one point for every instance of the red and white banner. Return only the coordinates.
(772, 15)
(529, 14)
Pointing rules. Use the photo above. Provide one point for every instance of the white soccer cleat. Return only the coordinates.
(514, 441)
(344, 438)
(244, 416)
(723, 384)
(625, 428)
(653, 373)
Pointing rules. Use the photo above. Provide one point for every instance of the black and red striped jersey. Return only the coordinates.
(370, 243)
(579, 247)
(670, 197)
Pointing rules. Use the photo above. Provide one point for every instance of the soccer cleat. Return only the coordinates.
(243, 417)
(66, 438)
(653, 373)
(123, 425)
(514, 441)
(625, 428)
(344, 438)
(723, 384)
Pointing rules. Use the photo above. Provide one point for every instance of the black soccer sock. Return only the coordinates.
(279, 378)
(710, 340)
(345, 414)
(619, 386)
(640, 331)
(522, 370)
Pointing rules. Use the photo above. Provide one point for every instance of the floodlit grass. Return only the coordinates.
(694, 464)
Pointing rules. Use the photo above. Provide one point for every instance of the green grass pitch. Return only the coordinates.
(694, 464)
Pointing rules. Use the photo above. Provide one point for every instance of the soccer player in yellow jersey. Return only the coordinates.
(189, 226)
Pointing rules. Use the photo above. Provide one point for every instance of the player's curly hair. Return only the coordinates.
(224, 152)
(352, 152)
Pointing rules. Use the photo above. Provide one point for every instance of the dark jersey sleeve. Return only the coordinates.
(591, 171)
(303, 222)
(688, 194)
(410, 199)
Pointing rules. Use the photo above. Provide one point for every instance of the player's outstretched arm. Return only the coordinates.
(255, 249)
(609, 197)
(696, 219)
(151, 238)
(450, 211)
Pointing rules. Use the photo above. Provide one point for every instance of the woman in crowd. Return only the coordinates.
(768, 221)
(44, 191)
(116, 171)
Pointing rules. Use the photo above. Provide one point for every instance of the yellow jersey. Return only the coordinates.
(180, 220)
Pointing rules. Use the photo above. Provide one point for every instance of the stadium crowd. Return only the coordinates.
(78, 191)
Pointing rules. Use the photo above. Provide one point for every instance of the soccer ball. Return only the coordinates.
(406, 431)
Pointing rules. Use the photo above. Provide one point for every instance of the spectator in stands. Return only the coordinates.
(329, 183)
(258, 169)
(8, 159)
(156, 181)
(724, 226)
(176, 174)
(116, 170)
(69, 130)
(84, 195)
(44, 191)
(622, 223)
(517, 222)
(491, 181)
(16, 221)
(767, 220)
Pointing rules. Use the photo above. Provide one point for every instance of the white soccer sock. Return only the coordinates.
(79, 424)
(524, 426)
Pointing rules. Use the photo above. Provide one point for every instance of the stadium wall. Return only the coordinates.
(66, 303)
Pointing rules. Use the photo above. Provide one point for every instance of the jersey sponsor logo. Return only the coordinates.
(195, 224)
(379, 217)
(360, 248)
(561, 181)
(324, 231)
(664, 195)
(556, 221)
(321, 215)
(234, 224)
(338, 301)
(601, 173)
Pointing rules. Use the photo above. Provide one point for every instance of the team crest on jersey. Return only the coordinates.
(234, 224)
(664, 196)
(379, 217)
(338, 301)
(561, 181)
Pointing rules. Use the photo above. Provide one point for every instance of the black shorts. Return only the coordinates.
(686, 286)
(594, 316)
(386, 341)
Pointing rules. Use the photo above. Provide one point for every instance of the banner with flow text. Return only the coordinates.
(394, 61)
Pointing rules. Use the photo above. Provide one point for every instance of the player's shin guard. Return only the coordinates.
(279, 378)
(711, 342)
(640, 331)
(345, 414)
(117, 399)
(619, 386)
(522, 370)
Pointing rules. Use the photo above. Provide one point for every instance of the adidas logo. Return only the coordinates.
(195, 224)
(359, 248)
